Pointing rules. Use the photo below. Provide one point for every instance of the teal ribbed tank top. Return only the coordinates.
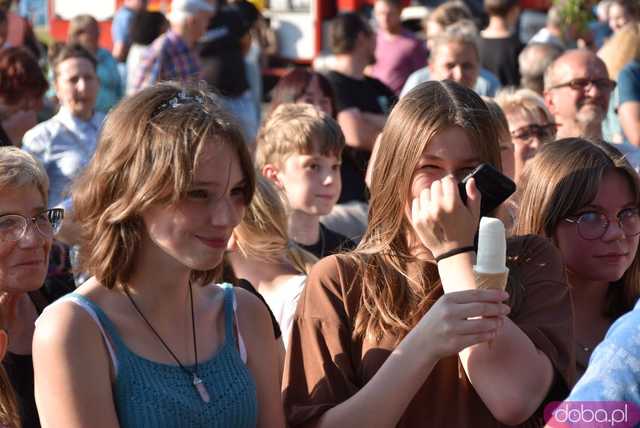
(151, 394)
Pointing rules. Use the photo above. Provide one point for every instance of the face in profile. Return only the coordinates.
(194, 231)
(24, 257)
(593, 251)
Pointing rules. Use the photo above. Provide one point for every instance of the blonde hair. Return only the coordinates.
(262, 234)
(525, 100)
(19, 169)
(562, 178)
(392, 301)
(622, 48)
(145, 156)
(463, 32)
(297, 128)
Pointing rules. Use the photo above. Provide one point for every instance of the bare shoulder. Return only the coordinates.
(250, 309)
(65, 324)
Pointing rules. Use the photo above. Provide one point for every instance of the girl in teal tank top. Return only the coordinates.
(145, 342)
(141, 384)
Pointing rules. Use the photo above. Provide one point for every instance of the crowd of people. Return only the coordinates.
(175, 252)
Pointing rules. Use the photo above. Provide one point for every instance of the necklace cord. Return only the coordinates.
(164, 344)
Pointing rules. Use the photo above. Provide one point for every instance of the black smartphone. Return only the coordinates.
(494, 187)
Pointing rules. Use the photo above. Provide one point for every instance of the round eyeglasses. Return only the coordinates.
(593, 225)
(14, 226)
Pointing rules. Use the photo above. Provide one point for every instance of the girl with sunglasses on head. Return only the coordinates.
(26, 234)
(585, 196)
(395, 333)
(150, 340)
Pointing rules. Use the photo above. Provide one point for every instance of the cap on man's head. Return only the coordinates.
(181, 9)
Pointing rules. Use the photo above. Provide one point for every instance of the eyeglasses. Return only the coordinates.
(543, 132)
(584, 84)
(14, 226)
(593, 225)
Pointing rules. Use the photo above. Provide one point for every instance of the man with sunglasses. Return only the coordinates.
(577, 89)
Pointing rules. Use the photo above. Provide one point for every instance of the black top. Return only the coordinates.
(368, 95)
(221, 54)
(243, 283)
(19, 369)
(330, 242)
(4, 138)
(500, 56)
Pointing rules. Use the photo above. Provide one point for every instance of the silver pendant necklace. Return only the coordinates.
(197, 382)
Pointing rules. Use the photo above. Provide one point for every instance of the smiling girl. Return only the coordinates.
(585, 197)
(149, 341)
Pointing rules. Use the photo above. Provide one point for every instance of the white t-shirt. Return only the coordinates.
(283, 302)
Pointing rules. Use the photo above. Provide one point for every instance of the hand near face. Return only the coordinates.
(440, 218)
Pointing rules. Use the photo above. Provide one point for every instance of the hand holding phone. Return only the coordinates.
(494, 187)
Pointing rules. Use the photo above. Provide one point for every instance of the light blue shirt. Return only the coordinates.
(64, 144)
(614, 368)
(487, 84)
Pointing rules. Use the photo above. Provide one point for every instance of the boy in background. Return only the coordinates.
(299, 149)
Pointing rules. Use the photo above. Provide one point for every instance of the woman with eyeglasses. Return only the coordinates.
(585, 196)
(26, 232)
(530, 124)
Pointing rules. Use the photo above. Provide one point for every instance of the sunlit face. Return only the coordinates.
(605, 259)
(524, 136)
(194, 231)
(618, 17)
(455, 61)
(584, 106)
(311, 182)
(450, 152)
(23, 263)
(313, 95)
(387, 17)
(77, 86)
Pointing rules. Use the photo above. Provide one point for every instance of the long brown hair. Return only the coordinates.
(562, 178)
(146, 155)
(392, 300)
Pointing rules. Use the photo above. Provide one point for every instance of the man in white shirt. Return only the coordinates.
(66, 142)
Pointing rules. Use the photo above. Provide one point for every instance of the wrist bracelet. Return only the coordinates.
(454, 252)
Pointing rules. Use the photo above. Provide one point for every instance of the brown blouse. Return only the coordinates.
(325, 366)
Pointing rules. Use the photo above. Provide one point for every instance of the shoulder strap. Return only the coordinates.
(231, 320)
(105, 325)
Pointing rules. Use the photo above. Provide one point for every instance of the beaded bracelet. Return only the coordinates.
(454, 252)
